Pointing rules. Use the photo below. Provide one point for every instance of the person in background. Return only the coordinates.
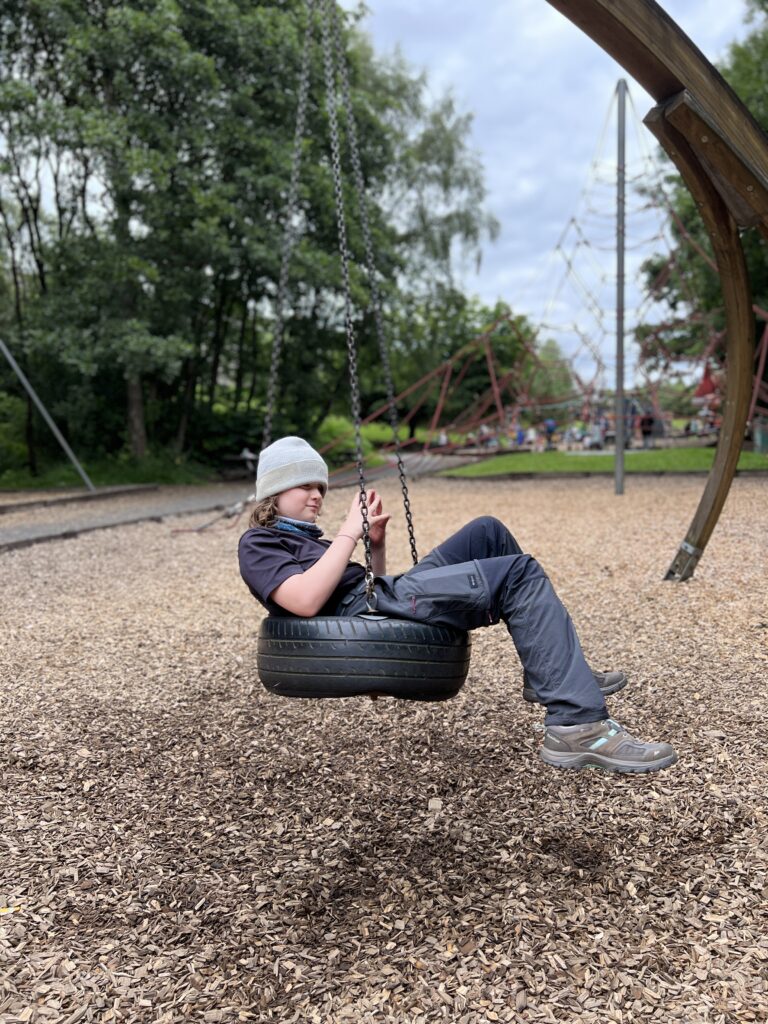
(647, 421)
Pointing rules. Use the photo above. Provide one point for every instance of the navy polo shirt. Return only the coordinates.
(268, 557)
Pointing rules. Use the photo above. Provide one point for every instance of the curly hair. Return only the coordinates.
(264, 512)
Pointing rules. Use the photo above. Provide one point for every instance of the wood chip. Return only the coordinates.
(178, 845)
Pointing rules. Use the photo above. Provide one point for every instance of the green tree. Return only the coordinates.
(141, 196)
(687, 282)
(551, 379)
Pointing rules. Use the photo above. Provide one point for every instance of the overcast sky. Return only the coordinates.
(540, 91)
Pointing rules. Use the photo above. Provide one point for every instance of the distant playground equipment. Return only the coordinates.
(494, 413)
(492, 421)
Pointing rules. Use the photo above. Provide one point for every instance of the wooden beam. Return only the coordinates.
(740, 338)
(743, 186)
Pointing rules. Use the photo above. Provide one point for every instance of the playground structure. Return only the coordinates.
(722, 155)
(492, 419)
(495, 409)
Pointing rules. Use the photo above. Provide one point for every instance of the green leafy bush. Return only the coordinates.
(380, 433)
(122, 469)
(340, 429)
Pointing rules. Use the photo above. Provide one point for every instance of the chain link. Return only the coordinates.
(357, 170)
(290, 232)
(330, 27)
(354, 386)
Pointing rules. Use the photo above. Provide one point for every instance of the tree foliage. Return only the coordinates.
(142, 185)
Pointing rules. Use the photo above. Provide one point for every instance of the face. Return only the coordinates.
(303, 503)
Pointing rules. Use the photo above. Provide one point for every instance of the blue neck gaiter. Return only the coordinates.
(297, 526)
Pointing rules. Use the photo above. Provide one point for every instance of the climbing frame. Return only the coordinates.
(722, 155)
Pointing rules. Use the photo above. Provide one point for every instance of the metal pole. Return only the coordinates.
(44, 413)
(621, 90)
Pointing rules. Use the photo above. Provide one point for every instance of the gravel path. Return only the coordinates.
(179, 845)
(29, 525)
(33, 497)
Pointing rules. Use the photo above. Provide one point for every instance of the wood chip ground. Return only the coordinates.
(178, 845)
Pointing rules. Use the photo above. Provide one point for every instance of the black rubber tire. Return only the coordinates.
(361, 655)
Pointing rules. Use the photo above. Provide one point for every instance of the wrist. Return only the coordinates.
(348, 536)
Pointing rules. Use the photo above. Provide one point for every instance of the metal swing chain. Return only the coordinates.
(290, 232)
(362, 204)
(354, 386)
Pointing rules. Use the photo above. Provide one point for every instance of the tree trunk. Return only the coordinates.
(137, 433)
(126, 304)
(187, 403)
(331, 396)
(240, 371)
(223, 307)
(29, 432)
(256, 372)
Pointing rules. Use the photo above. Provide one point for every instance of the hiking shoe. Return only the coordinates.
(609, 682)
(604, 745)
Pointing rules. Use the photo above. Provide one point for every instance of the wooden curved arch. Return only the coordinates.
(722, 155)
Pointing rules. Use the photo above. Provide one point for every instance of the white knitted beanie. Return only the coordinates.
(289, 462)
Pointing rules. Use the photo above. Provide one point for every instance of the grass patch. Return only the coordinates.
(662, 460)
(154, 469)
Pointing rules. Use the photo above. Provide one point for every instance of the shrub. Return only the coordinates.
(380, 433)
(340, 430)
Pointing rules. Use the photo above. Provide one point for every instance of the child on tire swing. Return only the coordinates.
(475, 578)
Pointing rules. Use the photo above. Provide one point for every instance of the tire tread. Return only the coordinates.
(345, 657)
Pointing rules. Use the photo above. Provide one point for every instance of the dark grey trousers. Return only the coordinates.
(478, 577)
